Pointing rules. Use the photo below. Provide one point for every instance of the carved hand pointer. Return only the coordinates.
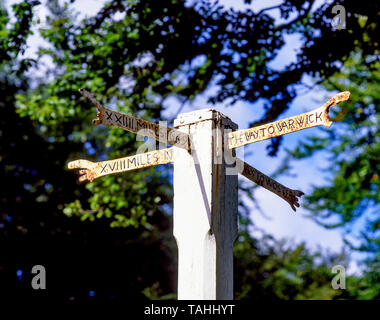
(87, 169)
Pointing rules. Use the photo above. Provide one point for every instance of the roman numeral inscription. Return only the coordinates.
(136, 125)
(289, 195)
(89, 170)
(317, 117)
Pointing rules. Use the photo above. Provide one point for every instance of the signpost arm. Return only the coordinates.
(136, 125)
(317, 117)
(289, 195)
(205, 209)
(88, 170)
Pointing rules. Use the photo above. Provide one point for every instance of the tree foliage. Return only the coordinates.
(276, 269)
(137, 56)
(353, 149)
(80, 256)
(352, 194)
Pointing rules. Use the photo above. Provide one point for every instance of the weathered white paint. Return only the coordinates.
(205, 208)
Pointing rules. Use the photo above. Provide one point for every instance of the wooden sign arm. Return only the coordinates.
(136, 125)
(317, 117)
(289, 195)
(88, 170)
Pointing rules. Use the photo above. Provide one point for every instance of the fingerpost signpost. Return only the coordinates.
(205, 183)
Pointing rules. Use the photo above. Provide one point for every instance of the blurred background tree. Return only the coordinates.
(352, 197)
(111, 238)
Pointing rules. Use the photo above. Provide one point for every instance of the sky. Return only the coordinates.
(279, 219)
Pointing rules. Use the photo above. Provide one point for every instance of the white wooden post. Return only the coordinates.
(205, 208)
